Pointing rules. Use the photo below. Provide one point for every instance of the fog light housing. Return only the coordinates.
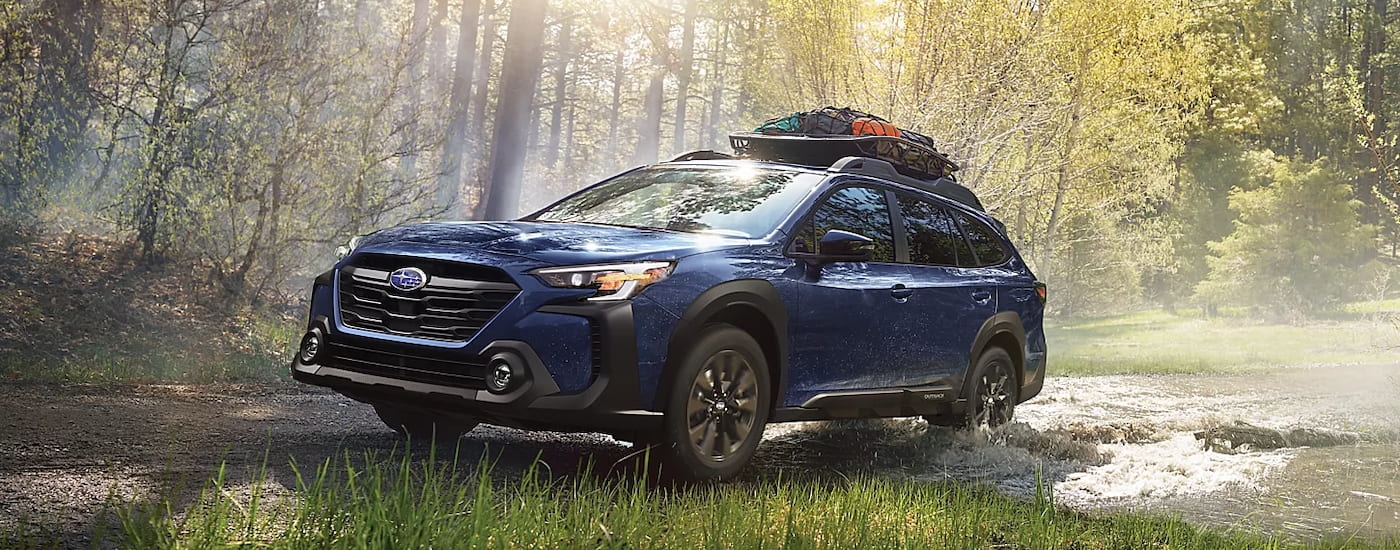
(504, 373)
(311, 346)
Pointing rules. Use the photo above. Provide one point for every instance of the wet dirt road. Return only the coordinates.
(1115, 442)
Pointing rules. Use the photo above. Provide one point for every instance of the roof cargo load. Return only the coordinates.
(823, 136)
(909, 158)
(851, 142)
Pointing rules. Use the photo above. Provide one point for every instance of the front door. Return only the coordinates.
(850, 332)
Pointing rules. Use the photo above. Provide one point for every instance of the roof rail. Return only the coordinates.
(867, 166)
(944, 186)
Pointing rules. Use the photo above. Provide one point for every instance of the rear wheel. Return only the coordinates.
(421, 424)
(991, 396)
(718, 406)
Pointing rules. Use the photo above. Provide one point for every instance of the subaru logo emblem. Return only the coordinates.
(408, 279)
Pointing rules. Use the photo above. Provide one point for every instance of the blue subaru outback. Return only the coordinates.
(686, 305)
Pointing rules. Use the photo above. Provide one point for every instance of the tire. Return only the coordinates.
(718, 407)
(423, 425)
(992, 393)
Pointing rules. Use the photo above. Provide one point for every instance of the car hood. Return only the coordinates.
(552, 243)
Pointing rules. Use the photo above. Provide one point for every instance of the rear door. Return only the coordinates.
(952, 294)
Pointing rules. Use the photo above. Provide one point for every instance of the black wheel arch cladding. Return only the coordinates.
(1003, 330)
(752, 305)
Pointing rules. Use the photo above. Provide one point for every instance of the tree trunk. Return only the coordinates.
(413, 82)
(713, 132)
(66, 36)
(561, 73)
(1372, 71)
(153, 191)
(484, 63)
(615, 112)
(649, 131)
(683, 75)
(569, 144)
(519, 72)
(1069, 142)
(533, 143)
(476, 143)
(439, 64)
(716, 118)
(450, 176)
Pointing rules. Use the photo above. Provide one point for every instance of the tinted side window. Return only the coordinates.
(985, 242)
(858, 210)
(934, 238)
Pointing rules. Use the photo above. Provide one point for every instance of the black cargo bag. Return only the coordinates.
(833, 121)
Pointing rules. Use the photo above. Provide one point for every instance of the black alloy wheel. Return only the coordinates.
(992, 401)
(718, 407)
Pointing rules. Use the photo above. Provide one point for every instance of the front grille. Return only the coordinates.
(403, 364)
(458, 300)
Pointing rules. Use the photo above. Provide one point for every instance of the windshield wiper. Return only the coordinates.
(629, 226)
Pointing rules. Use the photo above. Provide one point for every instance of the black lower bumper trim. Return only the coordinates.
(372, 371)
(533, 414)
(403, 366)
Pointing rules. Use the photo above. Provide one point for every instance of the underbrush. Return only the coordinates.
(399, 502)
(82, 309)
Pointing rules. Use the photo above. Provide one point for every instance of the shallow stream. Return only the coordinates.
(1131, 443)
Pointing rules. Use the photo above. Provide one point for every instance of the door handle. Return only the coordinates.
(981, 296)
(900, 292)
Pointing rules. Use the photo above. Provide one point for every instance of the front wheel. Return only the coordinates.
(718, 406)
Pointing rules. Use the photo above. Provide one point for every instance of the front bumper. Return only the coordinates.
(610, 403)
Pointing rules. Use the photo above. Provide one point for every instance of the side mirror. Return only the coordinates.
(844, 246)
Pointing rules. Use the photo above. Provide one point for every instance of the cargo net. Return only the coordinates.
(823, 136)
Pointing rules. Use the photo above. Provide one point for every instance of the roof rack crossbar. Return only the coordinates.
(702, 154)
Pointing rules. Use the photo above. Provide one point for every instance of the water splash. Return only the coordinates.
(1130, 442)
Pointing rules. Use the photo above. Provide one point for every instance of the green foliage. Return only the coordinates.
(269, 131)
(1066, 116)
(1296, 243)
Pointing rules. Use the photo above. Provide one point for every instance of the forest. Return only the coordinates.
(1142, 153)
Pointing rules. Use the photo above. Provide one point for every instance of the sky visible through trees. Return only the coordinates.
(1182, 153)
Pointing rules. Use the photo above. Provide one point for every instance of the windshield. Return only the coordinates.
(742, 202)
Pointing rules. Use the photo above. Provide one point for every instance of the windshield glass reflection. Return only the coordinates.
(740, 202)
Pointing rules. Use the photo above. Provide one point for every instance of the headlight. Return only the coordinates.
(612, 281)
(344, 250)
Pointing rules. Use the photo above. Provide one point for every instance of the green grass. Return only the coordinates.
(1157, 342)
(1390, 306)
(403, 503)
